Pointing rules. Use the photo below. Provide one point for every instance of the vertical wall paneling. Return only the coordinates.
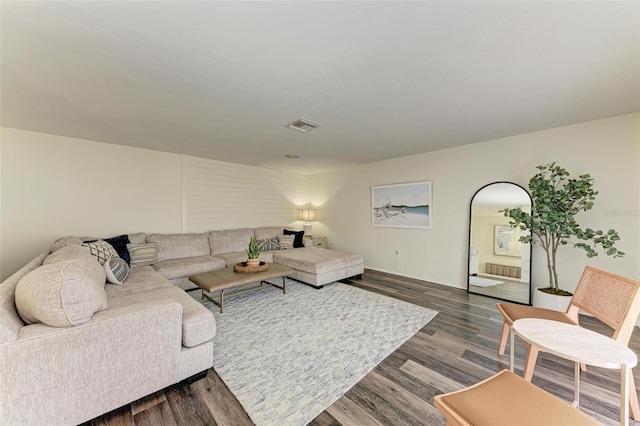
(183, 192)
(220, 195)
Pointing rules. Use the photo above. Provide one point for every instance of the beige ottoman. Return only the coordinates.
(318, 266)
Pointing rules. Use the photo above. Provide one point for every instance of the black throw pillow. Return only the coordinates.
(120, 244)
(297, 239)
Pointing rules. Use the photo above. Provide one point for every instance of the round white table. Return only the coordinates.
(580, 345)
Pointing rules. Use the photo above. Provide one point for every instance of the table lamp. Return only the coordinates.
(308, 215)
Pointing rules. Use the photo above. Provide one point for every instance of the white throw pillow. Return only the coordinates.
(286, 241)
(62, 294)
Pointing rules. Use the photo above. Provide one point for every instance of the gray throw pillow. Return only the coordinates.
(117, 270)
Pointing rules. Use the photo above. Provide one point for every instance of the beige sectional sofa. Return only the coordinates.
(182, 255)
(132, 339)
(150, 336)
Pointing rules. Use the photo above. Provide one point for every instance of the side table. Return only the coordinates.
(579, 345)
(319, 241)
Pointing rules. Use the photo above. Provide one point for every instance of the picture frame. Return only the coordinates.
(506, 241)
(404, 205)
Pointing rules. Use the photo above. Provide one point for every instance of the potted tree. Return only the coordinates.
(557, 199)
(253, 252)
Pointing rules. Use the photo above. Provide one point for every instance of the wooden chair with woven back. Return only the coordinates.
(612, 299)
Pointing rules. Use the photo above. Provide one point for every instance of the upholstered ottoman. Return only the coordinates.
(318, 266)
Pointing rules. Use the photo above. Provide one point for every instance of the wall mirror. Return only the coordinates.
(499, 265)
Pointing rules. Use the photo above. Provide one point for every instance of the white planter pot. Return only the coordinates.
(550, 301)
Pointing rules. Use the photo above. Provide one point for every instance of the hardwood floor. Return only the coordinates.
(456, 349)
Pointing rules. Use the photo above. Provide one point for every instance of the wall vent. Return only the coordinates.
(302, 125)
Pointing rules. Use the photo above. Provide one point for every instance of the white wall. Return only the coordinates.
(1, 257)
(608, 149)
(52, 186)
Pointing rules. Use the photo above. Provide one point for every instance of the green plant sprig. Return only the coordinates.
(253, 251)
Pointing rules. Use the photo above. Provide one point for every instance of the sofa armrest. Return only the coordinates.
(69, 375)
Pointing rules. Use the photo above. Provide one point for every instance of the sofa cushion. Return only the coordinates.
(10, 321)
(62, 294)
(116, 269)
(267, 232)
(141, 279)
(178, 268)
(138, 238)
(237, 257)
(101, 249)
(180, 246)
(317, 260)
(144, 254)
(68, 252)
(198, 322)
(65, 241)
(229, 241)
(297, 241)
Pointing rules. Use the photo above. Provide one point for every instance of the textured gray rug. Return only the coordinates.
(287, 358)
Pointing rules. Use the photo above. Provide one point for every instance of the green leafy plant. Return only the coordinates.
(557, 199)
(253, 251)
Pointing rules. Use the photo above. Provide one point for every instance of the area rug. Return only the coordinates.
(287, 357)
(483, 282)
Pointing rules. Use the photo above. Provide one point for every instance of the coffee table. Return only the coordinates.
(226, 279)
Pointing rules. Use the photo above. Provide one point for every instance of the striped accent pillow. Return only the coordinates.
(286, 241)
(142, 254)
(117, 270)
(269, 244)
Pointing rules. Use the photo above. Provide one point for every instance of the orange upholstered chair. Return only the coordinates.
(507, 399)
(612, 299)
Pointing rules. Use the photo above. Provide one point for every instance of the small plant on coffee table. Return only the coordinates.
(253, 251)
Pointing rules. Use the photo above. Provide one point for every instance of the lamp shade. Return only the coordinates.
(307, 214)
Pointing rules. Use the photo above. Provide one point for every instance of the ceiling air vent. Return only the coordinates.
(302, 125)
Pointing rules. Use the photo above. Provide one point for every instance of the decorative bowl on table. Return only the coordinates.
(245, 268)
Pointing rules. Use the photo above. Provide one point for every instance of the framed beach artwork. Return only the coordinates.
(506, 241)
(405, 205)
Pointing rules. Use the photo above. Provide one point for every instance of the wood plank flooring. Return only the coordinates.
(456, 349)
